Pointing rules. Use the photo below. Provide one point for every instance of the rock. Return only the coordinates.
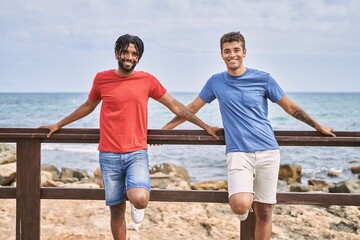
(315, 222)
(47, 180)
(165, 181)
(334, 172)
(51, 168)
(315, 182)
(80, 174)
(7, 173)
(354, 161)
(67, 175)
(72, 175)
(355, 169)
(169, 176)
(348, 186)
(291, 173)
(171, 169)
(98, 177)
(299, 188)
(318, 185)
(7, 153)
(210, 185)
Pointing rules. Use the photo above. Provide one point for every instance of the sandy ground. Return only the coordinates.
(75, 220)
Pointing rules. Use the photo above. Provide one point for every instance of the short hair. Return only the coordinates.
(232, 37)
(123, 42)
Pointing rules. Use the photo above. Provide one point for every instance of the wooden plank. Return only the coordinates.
(247, 227)
(206, 196)
(28, 189)
(189, 196)
(179, 136)
(72, 193)
(318, 141)
(156, 195)
(344, 199)
(7, 192)
(41, 133)
(316, 134)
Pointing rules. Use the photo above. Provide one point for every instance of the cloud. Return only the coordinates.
(78, 21)
(78, 36)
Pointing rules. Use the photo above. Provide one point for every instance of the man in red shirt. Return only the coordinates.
(123, 157)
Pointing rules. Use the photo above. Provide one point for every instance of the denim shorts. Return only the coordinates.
(121, 171)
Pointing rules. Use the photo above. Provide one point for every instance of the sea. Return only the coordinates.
(341, 111)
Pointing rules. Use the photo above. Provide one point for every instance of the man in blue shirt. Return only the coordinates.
(252, 152)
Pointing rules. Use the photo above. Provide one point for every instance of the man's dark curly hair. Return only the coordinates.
(232, 37)
(123, 42)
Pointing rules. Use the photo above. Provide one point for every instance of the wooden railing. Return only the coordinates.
(28, 193)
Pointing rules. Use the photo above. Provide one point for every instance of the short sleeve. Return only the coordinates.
(94, 94)
(157, 90)
(207, 93)
(274, 91)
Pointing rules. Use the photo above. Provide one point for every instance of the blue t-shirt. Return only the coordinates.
(244, 108)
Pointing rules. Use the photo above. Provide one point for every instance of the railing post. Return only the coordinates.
(247, 227)
(28, 153)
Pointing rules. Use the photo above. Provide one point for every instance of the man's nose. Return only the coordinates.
(232, 53)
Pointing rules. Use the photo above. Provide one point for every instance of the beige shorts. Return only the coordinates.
(255, 172)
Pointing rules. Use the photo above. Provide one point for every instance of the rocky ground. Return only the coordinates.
(80, 220)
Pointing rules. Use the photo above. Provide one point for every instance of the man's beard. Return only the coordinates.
(124, 68)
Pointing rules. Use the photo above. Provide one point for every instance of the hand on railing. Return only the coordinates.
(326, 130)
(212, 131)
(53, 128)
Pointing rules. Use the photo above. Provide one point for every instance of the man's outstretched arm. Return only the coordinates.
(186, 113)
(82, 111)
(193, 107)
(297, 112)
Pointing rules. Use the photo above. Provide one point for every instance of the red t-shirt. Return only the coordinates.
(124, 109)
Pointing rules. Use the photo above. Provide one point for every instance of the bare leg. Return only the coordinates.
(117, 221)
(263, 213)
(139, 197)
(240, 203)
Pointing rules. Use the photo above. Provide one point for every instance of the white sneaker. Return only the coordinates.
(137, 215)
(243, 217)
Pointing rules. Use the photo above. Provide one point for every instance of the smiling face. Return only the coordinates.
(127, 59)
(233, 54)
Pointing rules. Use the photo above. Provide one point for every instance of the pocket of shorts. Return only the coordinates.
(235, 164)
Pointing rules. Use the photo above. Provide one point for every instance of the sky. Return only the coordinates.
(59, 45)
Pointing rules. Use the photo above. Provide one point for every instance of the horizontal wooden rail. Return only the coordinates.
(28, 193)
(7, 192)
(199, 137)
(343, 199)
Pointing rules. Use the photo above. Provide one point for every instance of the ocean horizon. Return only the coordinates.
(339, 110)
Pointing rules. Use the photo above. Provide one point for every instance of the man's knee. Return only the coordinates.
(240, 203)
(139, 197)
(140, 202)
